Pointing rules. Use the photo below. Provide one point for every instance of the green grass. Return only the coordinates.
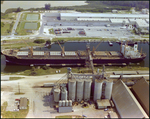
(68, 116)
(4, 106)
(20, 28)
(38, 72)
(20, 45)
(85, 39)
(65, 116)
(15, 78)
(5, 28)
(9, 114)
(19, 93)
(9, 16)
(51, 31)
(24, 16)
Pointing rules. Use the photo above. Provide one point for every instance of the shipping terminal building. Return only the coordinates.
(139, 20)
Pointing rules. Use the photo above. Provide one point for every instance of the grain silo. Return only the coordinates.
(64, 93)
(108, 90)
(70, 103)
(87, 89)
(67, 103)
(60, 103)
(56, 95)
(80, 86)
(63, 103)
(97, 89)
(72, 89)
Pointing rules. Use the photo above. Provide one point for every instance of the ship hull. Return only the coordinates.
(68, 62)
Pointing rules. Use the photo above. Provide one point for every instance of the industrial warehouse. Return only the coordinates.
(91, 21)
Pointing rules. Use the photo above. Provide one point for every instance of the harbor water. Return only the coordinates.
(74, 46)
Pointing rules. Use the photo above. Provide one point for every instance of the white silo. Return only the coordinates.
(67, 103)
(97, 90)
(80, 86)
(60, 103)
(87, 90)
(63, 103)
(72, 89)
(64, 93)
(56, 95)
(70, 103)
(108, 90)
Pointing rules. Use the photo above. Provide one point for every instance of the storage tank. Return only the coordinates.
(60, 103)
(63, 103)
(56, 95)
(64, 93)
(67, 103)
(72, 89)
(97, 90)
(108, 90)
(70, 102)
(80, 87)
(87, 89)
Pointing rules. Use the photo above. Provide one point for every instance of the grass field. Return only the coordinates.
(51, 31)
(24, 16)
(51, 70)
(15, 78)
(17, 93)
(20, 45)
(8, 114)
(20, 28)
(9, 16)
(5, 28)
(68, 116)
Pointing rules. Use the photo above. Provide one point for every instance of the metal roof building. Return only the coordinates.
(119, 21)
(104, 103)
(125, 102)
(141, 91)
(140, 23)
(92, 19)
(74, 16)
(23, 103)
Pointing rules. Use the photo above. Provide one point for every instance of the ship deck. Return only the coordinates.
(68, 54)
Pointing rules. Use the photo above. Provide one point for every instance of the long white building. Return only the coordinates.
(74, 16)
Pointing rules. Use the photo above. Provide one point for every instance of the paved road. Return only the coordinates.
(16, 23)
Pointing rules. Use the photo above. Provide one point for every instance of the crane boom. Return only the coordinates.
(30, 48)
(96, 47)
(62, 48)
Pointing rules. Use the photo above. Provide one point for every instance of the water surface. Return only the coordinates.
(38, 4)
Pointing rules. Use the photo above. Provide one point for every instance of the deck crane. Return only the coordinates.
(96, 47)
(62, 48)
(30, 48)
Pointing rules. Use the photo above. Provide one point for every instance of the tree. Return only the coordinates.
(47, 6)
(18, 9)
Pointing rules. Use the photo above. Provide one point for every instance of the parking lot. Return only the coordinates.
(91, 31)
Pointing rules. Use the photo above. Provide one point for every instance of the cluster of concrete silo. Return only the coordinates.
(79, 90)
(65, 103)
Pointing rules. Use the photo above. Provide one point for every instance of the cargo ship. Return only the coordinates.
(126, 55)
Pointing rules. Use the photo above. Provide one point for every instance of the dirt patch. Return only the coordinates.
(6, 88)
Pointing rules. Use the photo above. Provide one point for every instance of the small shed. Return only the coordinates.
(104, 103)
(114, 11)
(65, 109)
(23, 103)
